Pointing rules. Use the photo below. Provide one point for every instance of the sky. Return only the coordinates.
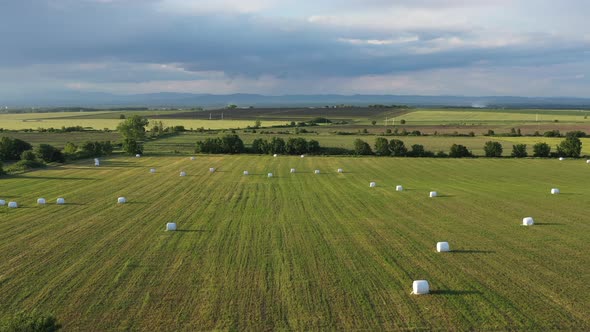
(272, 47)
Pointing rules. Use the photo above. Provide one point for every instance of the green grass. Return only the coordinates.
(299, 251)
(468, 117)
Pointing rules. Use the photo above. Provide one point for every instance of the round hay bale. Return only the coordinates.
(137, 155)
(246, 173)
(372, 184)
(2, 202)
(554, 191)
(183, 173)
(171, 226)
(420, 287)
(292, 170)
(61, 201)
(317, 171)
(340, 170)
(193, 158)
(442, 247)
(12, 205)
(121, 200)
(152, 170)
(302, 156)
(399, 188)
(588, 161)
(528, 221)
(41, 201)
(561, 158)
(275, 155)
(433, 194)
(269, 175)
(212, 170)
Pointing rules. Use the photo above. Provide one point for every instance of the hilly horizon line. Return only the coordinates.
(171, 99)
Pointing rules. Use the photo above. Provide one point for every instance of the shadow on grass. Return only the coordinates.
(443, 196)
(453, 292)
(467, 251)
(50, 178)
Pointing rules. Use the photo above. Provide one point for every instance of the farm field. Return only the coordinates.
(434, 116)
(299, 251)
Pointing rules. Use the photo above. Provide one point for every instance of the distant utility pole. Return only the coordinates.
(209, 116)
(221, 115)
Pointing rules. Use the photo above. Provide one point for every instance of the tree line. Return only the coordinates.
(570, 147)
(233, 144)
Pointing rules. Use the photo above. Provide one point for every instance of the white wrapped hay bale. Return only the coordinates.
(121, 200)
(12, 205)
(554, 191)
(372, 184)
(41, 201)
(183, 173)
(152, 170)
(561, 158)
(317, 171)
(275, 155)
(420, 287)
(399, 188)
(302, 156)
(528, 221)
(269, 175)
(96, 162)
(61, 201)
(193, 158)
(588, 161)
(442, 247)
(433, 194)
(340, 170)
(137, 155)
(292, 170)
(171, 226)
(246, 173)
(2, 202)
(212, 170)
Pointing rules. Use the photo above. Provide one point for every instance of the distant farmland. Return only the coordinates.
(299, 251)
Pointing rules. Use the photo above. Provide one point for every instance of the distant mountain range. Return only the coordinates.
(166, 99)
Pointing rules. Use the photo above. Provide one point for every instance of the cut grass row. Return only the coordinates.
(299, 251)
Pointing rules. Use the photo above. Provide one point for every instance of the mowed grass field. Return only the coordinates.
(300, 251)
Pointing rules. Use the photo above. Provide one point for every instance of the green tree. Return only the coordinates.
(28, 155)
(133, 128)
(417, 150)
(277, 145)
(493, 149)
(232, 144)
(382, 147)
(132, 146)
(2, 172)
(259, 146)
(397, 148)
(373, 122)
(70, 148)
(571, 147)
(459, 151)
(519, 151)
(49, 153)
(313, 146)
(542, 150)
(12, 148)
(362, 148)
(257, 124)
(296, 145)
